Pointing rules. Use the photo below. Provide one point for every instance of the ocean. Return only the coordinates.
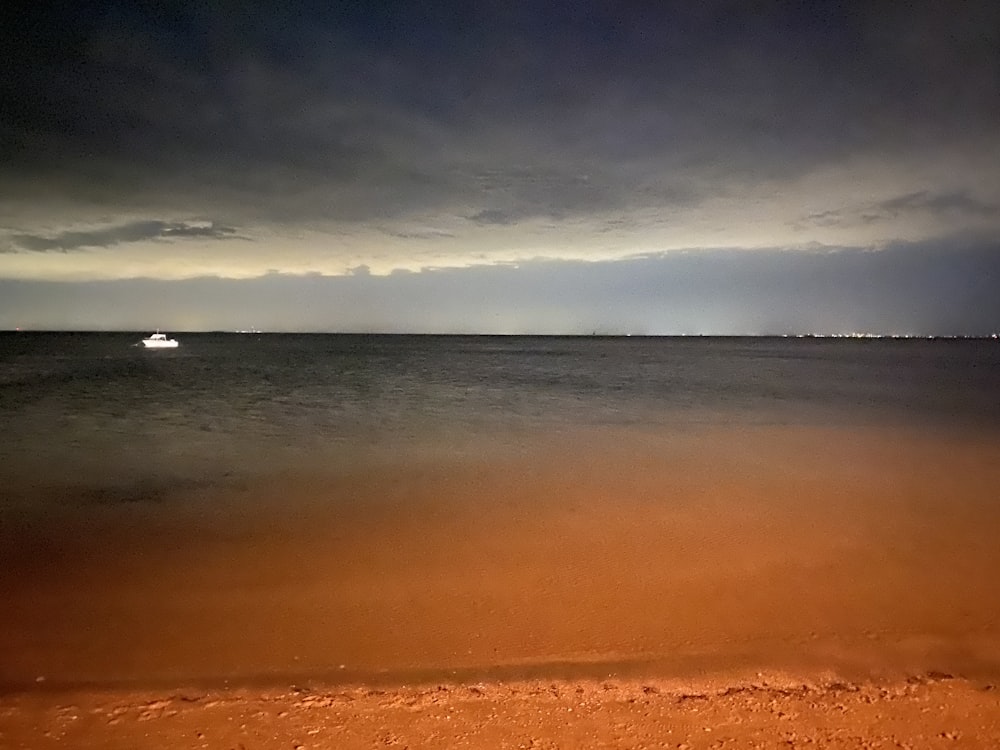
(269, 506)
(95, 410)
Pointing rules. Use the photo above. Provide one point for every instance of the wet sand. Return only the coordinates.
(862, 557)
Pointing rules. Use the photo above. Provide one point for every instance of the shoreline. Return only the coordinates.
(927, 711)
(859, 661)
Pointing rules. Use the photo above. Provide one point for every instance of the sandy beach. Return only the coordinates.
(929, 712)
(745, 588)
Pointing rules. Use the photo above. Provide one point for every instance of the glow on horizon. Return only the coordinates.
(756, 222)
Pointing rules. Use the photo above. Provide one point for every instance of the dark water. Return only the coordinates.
(96, 410)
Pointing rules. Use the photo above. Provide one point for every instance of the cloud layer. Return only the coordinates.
(139, 231)
(411, 136)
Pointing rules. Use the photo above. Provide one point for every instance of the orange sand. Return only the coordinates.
(934, 712)
(835, 554)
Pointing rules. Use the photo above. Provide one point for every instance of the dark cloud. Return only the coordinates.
(133, 232)
(917, 288)
(493, 216)
(960, 204)
(833, 217)
(360, 111)
(420, 234)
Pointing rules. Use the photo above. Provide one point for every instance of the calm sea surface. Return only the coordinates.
(96, 410)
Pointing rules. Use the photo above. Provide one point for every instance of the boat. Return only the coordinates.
(159, 341)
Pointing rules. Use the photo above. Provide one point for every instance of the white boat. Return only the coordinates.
(159, 341)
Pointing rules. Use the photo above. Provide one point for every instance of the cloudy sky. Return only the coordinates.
(495, 166)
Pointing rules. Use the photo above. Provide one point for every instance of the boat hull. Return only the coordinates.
(160, 344)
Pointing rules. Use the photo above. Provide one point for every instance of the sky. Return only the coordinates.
(493, 166)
